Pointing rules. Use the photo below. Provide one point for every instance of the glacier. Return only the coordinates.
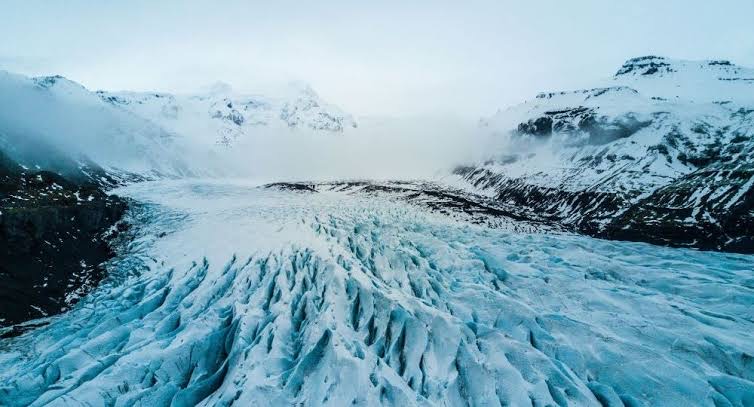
(227, 293)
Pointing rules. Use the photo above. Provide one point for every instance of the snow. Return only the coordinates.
(59, 112)
(697, 81)
(235, 294)
(220, 116)
(687, 129)
(153, 135)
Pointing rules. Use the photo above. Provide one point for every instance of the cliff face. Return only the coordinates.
(53, 238)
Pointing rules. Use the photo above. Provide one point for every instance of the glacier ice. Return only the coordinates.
(232, 294)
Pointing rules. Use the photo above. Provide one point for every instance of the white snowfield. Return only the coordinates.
(233, 294)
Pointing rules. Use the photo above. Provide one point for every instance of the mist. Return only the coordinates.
(387, 58)
(73, 120)
(417, 76)
(385, 148)
(76, 123)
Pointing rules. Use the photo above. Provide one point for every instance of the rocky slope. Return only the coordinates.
(53, 239)
(61, 148)
(663, 152)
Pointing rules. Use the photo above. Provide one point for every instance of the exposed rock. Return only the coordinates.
(712, 210)
(291, 186)
(647, 65)
(53, 238)
(539, 127)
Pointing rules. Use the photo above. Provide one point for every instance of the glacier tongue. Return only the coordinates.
(231, 294)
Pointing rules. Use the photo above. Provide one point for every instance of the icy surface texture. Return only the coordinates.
(232, 294)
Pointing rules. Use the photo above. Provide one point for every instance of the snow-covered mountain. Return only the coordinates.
(221, 116)
(62, 146)
(45, 114)
(147, 134)
(661, 152)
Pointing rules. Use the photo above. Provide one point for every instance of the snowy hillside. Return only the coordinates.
(146, 134)
(43, 114)
(221, 116)
(663, 152)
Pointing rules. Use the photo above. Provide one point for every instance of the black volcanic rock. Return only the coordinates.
(716, 221)
(539, 127)
(52, 240)
(601, 129)
(647, 65)
(291, 186)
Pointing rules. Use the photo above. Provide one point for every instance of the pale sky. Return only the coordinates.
(396, 58)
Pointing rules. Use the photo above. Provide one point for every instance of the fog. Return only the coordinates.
(405, 148)
(76, 123)
(416, 76)
(393, 58)
(73, 120)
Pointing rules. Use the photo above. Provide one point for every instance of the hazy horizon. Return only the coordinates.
(371, 59)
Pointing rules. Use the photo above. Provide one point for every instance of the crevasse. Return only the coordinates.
(231, 294)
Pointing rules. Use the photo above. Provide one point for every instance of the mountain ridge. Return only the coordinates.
(232, 116)
(654, 157)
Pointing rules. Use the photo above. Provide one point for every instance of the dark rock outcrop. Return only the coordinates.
(599, 128)
(578, 211)
(291, 186)
(53, 239)
(711, 210)
(707, 209)
(647, 65)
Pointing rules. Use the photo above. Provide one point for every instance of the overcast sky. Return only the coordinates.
(371, 58)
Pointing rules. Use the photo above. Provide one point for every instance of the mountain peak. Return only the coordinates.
(58, 82)
(646, 65)
(654, 66)
(697, 81)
